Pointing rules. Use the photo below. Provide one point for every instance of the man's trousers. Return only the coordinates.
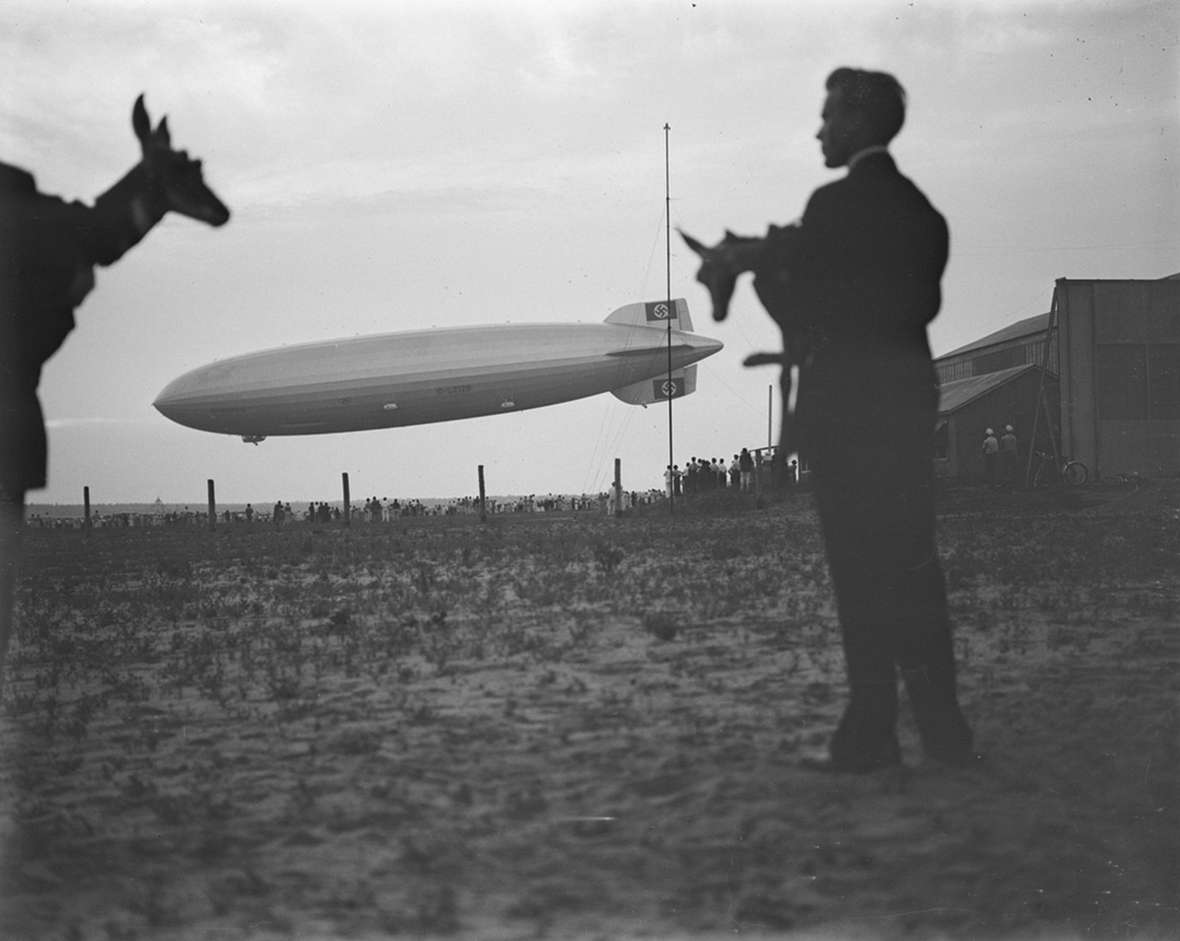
(874, 484)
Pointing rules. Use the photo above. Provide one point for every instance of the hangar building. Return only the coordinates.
(1105, 360)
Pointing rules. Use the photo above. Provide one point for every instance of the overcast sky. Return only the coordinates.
(404, 165)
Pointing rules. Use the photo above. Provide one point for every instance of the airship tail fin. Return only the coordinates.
(653, 314)
(682, 382)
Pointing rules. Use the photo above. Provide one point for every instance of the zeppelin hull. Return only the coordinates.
(422, 377)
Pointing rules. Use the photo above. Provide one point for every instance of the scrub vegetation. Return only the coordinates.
(567, 725)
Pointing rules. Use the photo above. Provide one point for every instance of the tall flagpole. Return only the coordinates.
(671, 313)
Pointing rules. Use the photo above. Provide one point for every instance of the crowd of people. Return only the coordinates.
(372, 510)
(1000, 455)
(699, 475)
(702, 474)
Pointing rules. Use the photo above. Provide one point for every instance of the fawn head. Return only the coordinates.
(175, 177)
(721, 264)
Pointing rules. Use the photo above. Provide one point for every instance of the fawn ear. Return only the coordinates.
(139, 120)
(163, 136)
(693, 243)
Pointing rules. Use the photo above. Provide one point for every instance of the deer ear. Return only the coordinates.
(692, 243)
(139, 119)
(163, 136)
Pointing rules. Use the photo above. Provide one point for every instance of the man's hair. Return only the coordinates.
(876, 94)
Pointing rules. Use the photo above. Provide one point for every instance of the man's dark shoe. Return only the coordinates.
(946, 736)
(831, 766)
(964, 756)
(862, 761)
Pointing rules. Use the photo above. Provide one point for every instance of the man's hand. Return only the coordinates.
(773, 271)
(766, 359)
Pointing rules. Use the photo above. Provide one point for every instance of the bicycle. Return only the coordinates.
(1046, 473)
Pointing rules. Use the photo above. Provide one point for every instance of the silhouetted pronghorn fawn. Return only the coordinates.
(164, 180)
(721, 264)
(54, 246)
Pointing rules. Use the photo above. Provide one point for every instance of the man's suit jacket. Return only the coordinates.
(860, 280)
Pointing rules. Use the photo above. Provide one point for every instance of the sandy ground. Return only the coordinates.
(576, 727)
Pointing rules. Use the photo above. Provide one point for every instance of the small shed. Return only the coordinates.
(969, 406)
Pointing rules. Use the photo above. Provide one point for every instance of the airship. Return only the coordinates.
(642, 353)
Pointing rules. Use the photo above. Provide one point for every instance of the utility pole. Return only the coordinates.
(668, 270)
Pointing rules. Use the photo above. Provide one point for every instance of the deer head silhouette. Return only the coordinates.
(176, 180)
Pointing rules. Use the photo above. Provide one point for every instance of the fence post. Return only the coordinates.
(483, 504)
(617, 495)
(347, 503)
(85, 509)
(212, 504)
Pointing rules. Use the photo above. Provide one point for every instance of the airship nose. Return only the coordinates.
(167, 401)
(177, 399)
(164, 403)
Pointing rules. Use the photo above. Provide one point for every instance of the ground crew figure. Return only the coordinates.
(746, 467)
(1009, 456)
(991, 458)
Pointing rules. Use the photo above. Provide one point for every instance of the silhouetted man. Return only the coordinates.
(861, 280)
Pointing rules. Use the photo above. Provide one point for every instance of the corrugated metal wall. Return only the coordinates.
(1119, 363)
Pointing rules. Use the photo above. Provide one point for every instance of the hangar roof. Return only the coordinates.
(1029, 326)
(959, 392)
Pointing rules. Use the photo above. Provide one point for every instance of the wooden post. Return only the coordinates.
(483, 505)
(347, 504)
(85, 509)
(618, 493)
(770, 415)
(212, 504)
